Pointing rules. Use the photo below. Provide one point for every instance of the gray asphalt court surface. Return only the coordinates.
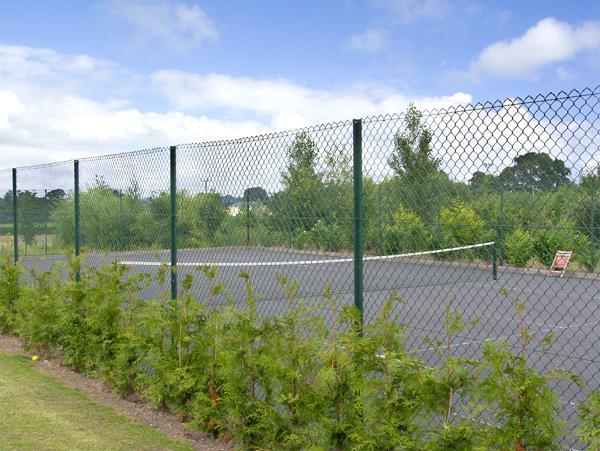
(568, 307)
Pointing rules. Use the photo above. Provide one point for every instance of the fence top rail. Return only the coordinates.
(560, 96)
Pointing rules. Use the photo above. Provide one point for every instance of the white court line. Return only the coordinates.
(504, 337)
(307, 262)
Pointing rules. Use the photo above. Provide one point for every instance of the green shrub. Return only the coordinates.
(589, 417)
(406, 233)
(9, 294)
(40, 310)
(461, 225)
(297, 381)
(550, 239)
(519, 247)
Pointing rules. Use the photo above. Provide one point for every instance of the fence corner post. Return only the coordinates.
(358, 220)
(15, 217)
(77, 216)
(173, 208)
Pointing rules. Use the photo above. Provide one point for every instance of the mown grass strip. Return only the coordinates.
(39, 412)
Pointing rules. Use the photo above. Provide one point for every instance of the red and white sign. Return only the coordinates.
(561, 260)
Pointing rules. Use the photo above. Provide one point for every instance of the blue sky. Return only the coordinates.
(81, 78)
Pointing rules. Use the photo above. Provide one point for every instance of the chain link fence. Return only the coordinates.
(461, 208)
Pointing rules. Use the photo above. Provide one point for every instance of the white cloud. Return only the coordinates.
(47, 114)
(409, 11)
(282, 103)
(176, 24)
(371, 40)
(55, 106)
(548, 42)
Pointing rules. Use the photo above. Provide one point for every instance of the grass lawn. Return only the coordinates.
(38, 412)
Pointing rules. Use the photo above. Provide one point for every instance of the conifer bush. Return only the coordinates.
(301, 380)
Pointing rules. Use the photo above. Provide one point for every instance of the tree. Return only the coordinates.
(480, 181)
(303, 199)
(211, 213)
(56, 195)
(28, 211)
(302, 161)
(418, 176)
(413, 157)
(255, 194)
(534, 172)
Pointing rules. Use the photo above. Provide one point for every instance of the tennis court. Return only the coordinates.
(567, 307)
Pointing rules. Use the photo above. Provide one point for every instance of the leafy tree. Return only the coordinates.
(56, 195)
(302, 200)
(29, 209)
(255, 194)
(413, 157)
(480, 181)
(211, 213)
(108, 220)
(534, 172)
(417, 170)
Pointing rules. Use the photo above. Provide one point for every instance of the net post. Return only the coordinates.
(379, 222)
(494, 261)
(173, 214)
(593, 230)
(247, 196)
(358, 210)
(501, 227)
(77, 217)
(15, 217)
(46, 215)
(438, 225)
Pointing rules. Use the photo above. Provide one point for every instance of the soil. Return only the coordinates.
(132, 408)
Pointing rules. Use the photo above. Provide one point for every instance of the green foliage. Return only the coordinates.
(293, 381)
(405, 233)
(589, 417)
(110, 219)
(525, 408)
(550, 239)
(519, 247)
(461, 225)
(413, 158)
(534, 171)
(9, 293)
(418, 178)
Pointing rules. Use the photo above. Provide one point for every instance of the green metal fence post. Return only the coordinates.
(501, 228)
(593, 231)
(46, 214)
(379, 222)
(358, 211)
(15, 217)
(438, 226)
(173, 212)
(247, 196)
(494, 262)
(330, 217)
(77, 215)
(288, 219)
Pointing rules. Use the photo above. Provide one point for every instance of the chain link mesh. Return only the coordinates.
(464, 209)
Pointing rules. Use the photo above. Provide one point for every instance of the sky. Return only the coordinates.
(95, 77)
